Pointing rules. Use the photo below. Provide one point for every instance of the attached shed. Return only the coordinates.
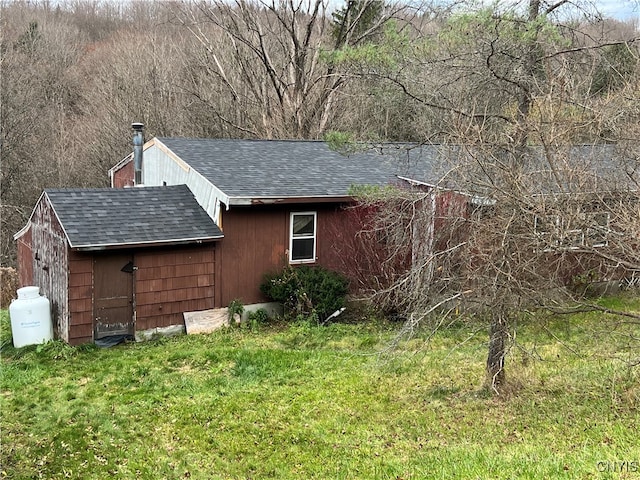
(116, 261)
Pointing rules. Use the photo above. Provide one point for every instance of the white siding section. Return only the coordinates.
(160, 167)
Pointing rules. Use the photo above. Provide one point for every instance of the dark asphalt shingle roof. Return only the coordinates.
(262, 169)
(298, 168)
(107, 217)
(569, 169)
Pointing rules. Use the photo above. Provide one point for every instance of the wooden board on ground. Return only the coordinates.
(206, 321)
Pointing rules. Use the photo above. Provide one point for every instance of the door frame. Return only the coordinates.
(120, 286)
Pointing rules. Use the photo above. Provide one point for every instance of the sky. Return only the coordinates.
(618, 9)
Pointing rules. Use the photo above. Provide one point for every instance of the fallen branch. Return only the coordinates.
(592, 307)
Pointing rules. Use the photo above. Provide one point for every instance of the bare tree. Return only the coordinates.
(269, 58)
(514, 89)
(73, 77)
(39, 92)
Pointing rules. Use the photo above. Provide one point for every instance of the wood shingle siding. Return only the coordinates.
(80, 298)
(170, 282)
(81, 245)
(50, 261)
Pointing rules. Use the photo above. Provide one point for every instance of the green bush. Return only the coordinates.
(256, 319)
(235, 308)
(306, 290)
(259, 316)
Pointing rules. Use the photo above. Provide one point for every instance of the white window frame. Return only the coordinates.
(571, 239)
(601, 229)
(314, 237)
(548, 235)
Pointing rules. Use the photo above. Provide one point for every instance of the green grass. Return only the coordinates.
(322, 402)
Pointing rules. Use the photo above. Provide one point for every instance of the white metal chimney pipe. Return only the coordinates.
(138, 142)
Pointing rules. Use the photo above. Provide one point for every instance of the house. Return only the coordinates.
(193, 224)
(278, 202)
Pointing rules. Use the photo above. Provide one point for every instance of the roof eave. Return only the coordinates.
(414, 182)
(24, 229)
(280, 200)
(116, 246)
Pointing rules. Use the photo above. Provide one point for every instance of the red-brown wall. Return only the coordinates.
(256, 240)
(336, 232)
(64, 276)
(80, 297)
(25, 258)
(48, 258)
(170, 281)
(123, 177)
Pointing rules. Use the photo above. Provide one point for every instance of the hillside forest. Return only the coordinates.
(76, 73)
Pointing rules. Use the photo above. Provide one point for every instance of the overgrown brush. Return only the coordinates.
(308, 291)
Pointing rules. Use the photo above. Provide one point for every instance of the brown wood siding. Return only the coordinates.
(336, 231)
(124, 176)
(255, 241)
(51, 262)
(169, 282)
(25, 258)
(450, 226)
(80, 298)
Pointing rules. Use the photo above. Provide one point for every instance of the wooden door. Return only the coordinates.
(113, 295)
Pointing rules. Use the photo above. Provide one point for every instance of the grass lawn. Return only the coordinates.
(309, 402)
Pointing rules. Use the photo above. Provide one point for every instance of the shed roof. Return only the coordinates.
(255, 169)
(110, 218)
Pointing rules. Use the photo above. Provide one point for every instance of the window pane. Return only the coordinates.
(601, 219)
(302, 249)
(596, 237)
(546, 224)
(302, 225)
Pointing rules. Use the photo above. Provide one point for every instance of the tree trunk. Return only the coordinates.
(498, 339)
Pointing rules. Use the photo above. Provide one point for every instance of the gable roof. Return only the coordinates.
(245, 172)
(102, 218)
(264, 169)
(545, 171)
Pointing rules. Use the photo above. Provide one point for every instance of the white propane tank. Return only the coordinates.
(30, 318)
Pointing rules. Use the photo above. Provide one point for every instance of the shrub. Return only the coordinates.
(235, 311)
(258, 317)
(306, 290)
(255, 319)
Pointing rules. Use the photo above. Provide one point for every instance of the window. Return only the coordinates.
(583, 230)
(597, 235)
(546, 228)
(302, 246)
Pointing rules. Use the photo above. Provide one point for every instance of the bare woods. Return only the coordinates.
(75, 74)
